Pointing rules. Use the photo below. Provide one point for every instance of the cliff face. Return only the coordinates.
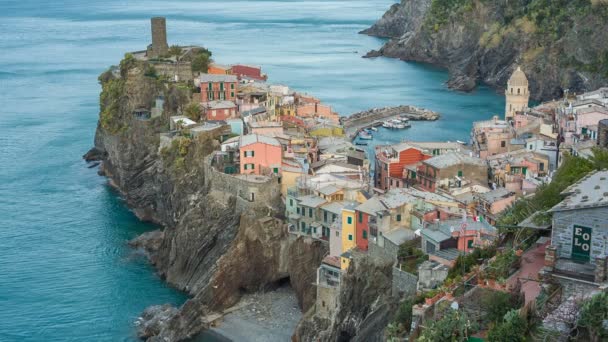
(364, 306)
(215, 245)
(560, 45)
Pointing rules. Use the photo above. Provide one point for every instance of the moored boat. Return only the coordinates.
(365, 136)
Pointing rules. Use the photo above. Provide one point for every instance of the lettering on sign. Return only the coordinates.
(581, 243)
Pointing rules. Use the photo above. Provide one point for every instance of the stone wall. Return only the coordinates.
(182, 70)
(430, 275)
(327, 300)
(594, 218)
(404, 283)
(266, 190)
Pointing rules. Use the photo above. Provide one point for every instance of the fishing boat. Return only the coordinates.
(365, 136)
(374, 129)
(387, 124)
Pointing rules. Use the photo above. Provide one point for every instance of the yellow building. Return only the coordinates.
(327, 131)
(345, 259)
(289, 177)
(517, 94)
(348, 234)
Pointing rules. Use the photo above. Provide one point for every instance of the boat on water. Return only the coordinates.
(374, 129)
(358, 143)
(461, 142)
(365, 136)
(396, 123)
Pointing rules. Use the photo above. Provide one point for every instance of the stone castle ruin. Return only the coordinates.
(159, 46)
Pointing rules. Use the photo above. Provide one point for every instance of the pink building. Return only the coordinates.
(492, 203)
(589, 117)
(260, 155)
(220, 110)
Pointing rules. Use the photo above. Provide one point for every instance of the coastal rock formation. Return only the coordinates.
(215, 244)
(365, 305)
(560, 44)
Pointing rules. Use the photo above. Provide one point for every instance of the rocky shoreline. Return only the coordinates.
(484, 43)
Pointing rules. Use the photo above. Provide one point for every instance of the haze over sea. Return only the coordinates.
(66, 272)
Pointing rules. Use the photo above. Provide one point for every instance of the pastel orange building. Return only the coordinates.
(218, 69)
(218, 87)
(260, 155)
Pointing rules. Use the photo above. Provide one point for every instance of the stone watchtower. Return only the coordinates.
(517, 94)
(159, 46)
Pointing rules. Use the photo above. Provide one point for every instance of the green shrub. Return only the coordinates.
(513, 328)
(453, 326)
(498, 303)
(112, 92)
(593, 315)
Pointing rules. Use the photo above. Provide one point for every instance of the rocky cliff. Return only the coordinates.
(364, 306)
(559, 44)
(216, 244)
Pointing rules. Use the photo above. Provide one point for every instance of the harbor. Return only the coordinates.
(363, 124)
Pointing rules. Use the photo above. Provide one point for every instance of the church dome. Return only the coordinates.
(518, 79)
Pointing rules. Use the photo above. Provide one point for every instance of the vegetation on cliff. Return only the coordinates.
(109, 101)
(560, 44)
(571, 170)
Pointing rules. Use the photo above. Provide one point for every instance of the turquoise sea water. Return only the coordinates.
(66, 273)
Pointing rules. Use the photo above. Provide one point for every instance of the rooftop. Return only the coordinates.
(451, 159)
(254, 111)
(589, 192)
(312, 201)
(447, 254)
(518, 79)
(334, 207)
(372, 206)
(494, 195)
(329, 190)
(219, 104)
(399, 236)
(257, 138)
(217, 78)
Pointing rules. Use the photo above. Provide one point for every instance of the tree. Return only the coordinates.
(193, 111)
(200, 62)
(600, 158)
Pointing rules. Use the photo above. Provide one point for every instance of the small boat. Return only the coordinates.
(361, 143)
(93, 164)
(461, 142)
(374, 129)
(365, 136)
(387, 124)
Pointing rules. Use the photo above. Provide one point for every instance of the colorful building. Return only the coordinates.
(248, 72)
(220, 110)
(218, 69)
(443, 241)
(260, 154)
(218, 87)
(390, 163)
(448, 171)
(349, 233)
